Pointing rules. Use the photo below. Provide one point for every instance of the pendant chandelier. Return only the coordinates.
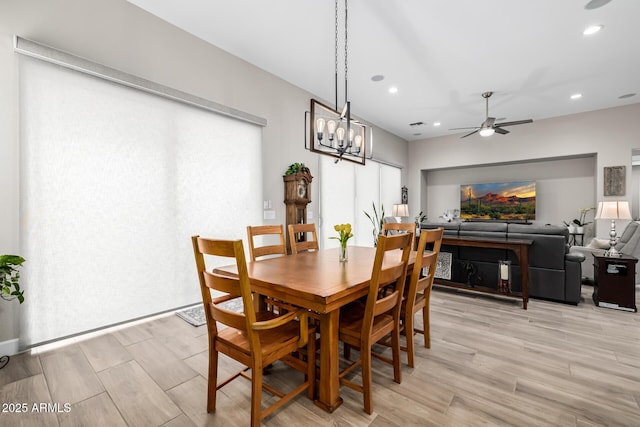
(333, 131)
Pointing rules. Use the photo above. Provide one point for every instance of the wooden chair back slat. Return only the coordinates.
(417, 284)
(380, 316)
(253, 343)
(309, 243)
(400, 228)
(256, 252)
(393, 275)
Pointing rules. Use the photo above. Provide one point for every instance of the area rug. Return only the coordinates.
(195, 315)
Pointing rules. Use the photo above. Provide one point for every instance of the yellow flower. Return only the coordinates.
(344, 231)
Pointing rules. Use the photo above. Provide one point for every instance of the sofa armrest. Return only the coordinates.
(587, 252)
(573, 278)
(574, 257)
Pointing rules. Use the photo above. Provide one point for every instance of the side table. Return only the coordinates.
(615, 282)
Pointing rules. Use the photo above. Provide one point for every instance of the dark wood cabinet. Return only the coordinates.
(615, 282)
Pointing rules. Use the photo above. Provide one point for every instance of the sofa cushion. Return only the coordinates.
(627, 236)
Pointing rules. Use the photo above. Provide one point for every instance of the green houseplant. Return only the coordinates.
(10, 278)
(294, 168)
(376, 221)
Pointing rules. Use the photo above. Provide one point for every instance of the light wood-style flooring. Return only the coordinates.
(490, 364)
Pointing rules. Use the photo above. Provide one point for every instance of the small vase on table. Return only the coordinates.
(344, 233)
(344, 254)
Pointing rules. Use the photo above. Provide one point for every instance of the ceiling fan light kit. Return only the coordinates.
(489, 126)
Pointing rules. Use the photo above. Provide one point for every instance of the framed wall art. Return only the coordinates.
(615, 180)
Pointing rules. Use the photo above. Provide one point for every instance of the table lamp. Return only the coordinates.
(613, 211)
(400, 211)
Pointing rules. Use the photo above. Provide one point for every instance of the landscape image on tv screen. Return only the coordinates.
(499, 201)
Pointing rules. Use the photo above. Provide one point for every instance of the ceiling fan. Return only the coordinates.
(489, 126)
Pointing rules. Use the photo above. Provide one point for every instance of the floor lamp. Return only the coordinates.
(613, 211)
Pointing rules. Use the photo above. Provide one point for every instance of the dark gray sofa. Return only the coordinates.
(554, 273)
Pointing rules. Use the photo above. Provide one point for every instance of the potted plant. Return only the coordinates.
(580, 223)
(419, 218)
(10, 278)
(376, 221)
(294, 168)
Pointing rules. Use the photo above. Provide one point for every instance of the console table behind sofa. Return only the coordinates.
(554, 273)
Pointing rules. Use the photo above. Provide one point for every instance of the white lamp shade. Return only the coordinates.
(613, 210)
(401, 210)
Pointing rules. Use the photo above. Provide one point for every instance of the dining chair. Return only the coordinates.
(256, 252)
(254, 338)
(418, 291)
(400, 227)
(362, 325)
(306, 244)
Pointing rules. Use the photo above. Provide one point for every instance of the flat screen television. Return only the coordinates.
(504, 201)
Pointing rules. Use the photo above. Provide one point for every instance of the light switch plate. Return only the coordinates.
(269, 214)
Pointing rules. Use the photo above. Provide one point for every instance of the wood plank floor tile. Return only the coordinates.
(20, 397)
(572, 401)
(138, 398)
(490, 363)
(98, 411)
(133, 334)
(69, 375)
(21, 366)
(161, 364)
(180, 421)
(104, 352)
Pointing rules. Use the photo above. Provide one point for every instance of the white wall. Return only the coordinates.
(609, 134)
(122, 36)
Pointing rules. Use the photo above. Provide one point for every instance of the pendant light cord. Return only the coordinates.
(346, 68)
(336, 54)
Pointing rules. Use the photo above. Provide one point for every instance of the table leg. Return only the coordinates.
(523, 258)
(329, 391)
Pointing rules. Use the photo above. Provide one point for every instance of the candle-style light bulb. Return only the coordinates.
(358, 142)
(331, 129)
(351, 133)
(320, 127)
(340, 134)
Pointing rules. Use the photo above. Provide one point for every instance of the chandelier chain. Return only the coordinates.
(346, 38)
(335, 50)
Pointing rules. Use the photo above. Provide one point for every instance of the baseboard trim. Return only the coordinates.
(9, 347)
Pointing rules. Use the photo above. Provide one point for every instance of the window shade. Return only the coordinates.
(348, 190)
(114, 182)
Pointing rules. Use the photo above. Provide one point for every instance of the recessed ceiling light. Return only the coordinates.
(576, 96)
(626, 95)
(436, 124)
(594, 4)
(377, 78)
(592, 30)
(393, 89)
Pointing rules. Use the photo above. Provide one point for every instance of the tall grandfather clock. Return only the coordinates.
(297, 194)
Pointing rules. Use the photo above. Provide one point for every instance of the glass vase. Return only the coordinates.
(343, 254)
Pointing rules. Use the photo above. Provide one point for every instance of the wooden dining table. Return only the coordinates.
(318, 281)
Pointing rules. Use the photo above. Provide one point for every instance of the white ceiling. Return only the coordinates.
(441, 54)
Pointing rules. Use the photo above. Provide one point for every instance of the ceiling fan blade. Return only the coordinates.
(517, 122)
(474, 127)
(500, 131)
(470, 133)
